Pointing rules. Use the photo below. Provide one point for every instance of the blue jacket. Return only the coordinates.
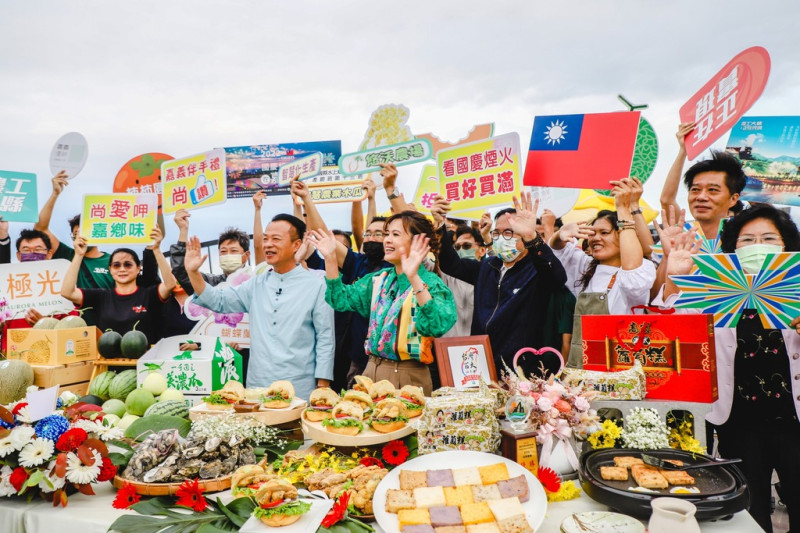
(512, 310)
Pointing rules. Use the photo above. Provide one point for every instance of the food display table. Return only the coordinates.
(93, 514)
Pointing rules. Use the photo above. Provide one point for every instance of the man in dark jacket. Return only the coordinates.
(513, 288)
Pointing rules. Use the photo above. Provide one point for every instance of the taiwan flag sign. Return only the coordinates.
(581, 151)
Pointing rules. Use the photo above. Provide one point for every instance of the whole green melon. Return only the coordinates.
(90, 398)
(110, 344)
(71, 321)
(46, 322)
(138, 401)
(122, 384)
(134, 344)
(101, 383)
(114, 407)
(15, 378)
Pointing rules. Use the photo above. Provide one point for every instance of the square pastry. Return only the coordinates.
(410, 480)
(426, 497)
(445, 516)
(516, 486)
(440, 478)
(466, 476)
(493, 473)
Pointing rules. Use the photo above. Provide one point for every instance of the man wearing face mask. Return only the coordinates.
(350, 327)
(513, 288)
(468, 245)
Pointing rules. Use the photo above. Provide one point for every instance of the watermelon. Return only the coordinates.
(134, 344)
(15, 378)
(138, 401)
(122, 384)
(170, 408)
(109, 344)
(114, 407)
(101, 383)
(91, 399)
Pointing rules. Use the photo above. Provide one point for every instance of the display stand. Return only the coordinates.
(101, 364)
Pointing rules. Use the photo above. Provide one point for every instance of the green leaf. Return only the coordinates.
(120, 444)
(120, 459)
(232, 516)
(142, 427)
(211, 528)
(242, 507)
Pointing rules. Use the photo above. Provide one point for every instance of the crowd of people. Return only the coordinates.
(327, 305)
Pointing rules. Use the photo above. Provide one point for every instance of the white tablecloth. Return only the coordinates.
(93, 514)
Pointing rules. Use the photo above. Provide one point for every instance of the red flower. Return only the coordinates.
(126, 497)
(18, 407)
(18, 478)
(395, 452)
(371, 461)
(107, 470)
(71, 439)
(549, 479)
(337, 512)
(190, 494)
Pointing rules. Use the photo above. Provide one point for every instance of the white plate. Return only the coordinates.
(308, 522)
(267, 416)
(601, 522)
(535, 507)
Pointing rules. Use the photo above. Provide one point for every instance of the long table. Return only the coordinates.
(94, 514)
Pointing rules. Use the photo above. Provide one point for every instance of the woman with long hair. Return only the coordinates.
(127, 304)
(758, 369)
(406, 305)
(616, 276)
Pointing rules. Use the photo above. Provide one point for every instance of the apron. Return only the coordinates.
(588, 303)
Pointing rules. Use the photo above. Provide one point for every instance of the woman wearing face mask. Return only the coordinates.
(616, 277)
(127, 304)
(758, 369)
(406, 304)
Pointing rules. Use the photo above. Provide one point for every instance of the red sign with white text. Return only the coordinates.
(725, 98)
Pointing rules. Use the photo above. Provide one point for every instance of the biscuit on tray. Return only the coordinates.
(614, 473)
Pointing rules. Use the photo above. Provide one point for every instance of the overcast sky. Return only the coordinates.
(181, 77)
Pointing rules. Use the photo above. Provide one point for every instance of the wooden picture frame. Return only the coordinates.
(474, 351)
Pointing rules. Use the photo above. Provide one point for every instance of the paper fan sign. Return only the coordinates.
(69, 153)
(645, 154)
(558, 200)
(142, 174)
(707, 246)
(722, 288)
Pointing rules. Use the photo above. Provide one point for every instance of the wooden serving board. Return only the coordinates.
(316, 431)
(169, 489)
(271, 417)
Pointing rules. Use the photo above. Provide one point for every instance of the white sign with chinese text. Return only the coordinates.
(35, 284)
(69, 153)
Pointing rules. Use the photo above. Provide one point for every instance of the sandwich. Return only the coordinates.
(363, 383)
(279, 395)
(346, 419)
(277, 504)
(381, 390)
(223, 399)
(414, 400)
(320, 404)
(360, 398)
(388, 415)
(248, 479)
(217, 402)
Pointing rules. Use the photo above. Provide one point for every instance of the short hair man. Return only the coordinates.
(469, 243)
(714, 188)
(291, 325)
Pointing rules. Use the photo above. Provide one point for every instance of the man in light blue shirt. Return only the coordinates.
(291, 325)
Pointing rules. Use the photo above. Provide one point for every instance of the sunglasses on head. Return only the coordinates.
(120, 264)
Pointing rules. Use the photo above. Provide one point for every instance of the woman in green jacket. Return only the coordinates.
(406, 305)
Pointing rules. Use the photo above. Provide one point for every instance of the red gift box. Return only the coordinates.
(676, 351)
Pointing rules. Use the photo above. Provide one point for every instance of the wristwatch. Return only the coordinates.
(535, 243)
(393, 195)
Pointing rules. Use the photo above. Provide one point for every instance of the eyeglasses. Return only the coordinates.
(464, 246)
(376, 234)
(506, 233)
(767, 238)
(39, 250)
(126, 264)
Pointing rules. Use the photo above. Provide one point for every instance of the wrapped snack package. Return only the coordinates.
(624, 385)
(459, 420)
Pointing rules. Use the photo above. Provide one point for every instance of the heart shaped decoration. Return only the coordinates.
(540, 353)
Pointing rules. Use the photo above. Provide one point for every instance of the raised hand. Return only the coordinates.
(680, 258)
(80, 245)
(182, 219)
(672, 226)
(369, 186)
(59, 181)
(412, 259)
(623, 193)
(258, 199)
(636, 192)
(325, 242)
(300, 189)
(3, 229)
(523, 222)
(574, 231)
(684, 129)
(305, 249)
(194, 257)
(485, 227)
(157, 237)
(795, 324)
(439, 211)
(389, 174)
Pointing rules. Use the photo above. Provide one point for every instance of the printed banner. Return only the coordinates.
(404, 153)
(142, 174)
(480, 175)
(69, 153)
(725, 98)
(195, 181)
(305, 167)
(35, 284)
(118, 218)
(254, 168)
(337, 192)
(581, 151)
(19, 200)
(770, 154)
(428, 190)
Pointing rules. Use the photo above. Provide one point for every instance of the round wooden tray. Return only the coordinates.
(169, 489)
(316, 431)
(270, 417)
